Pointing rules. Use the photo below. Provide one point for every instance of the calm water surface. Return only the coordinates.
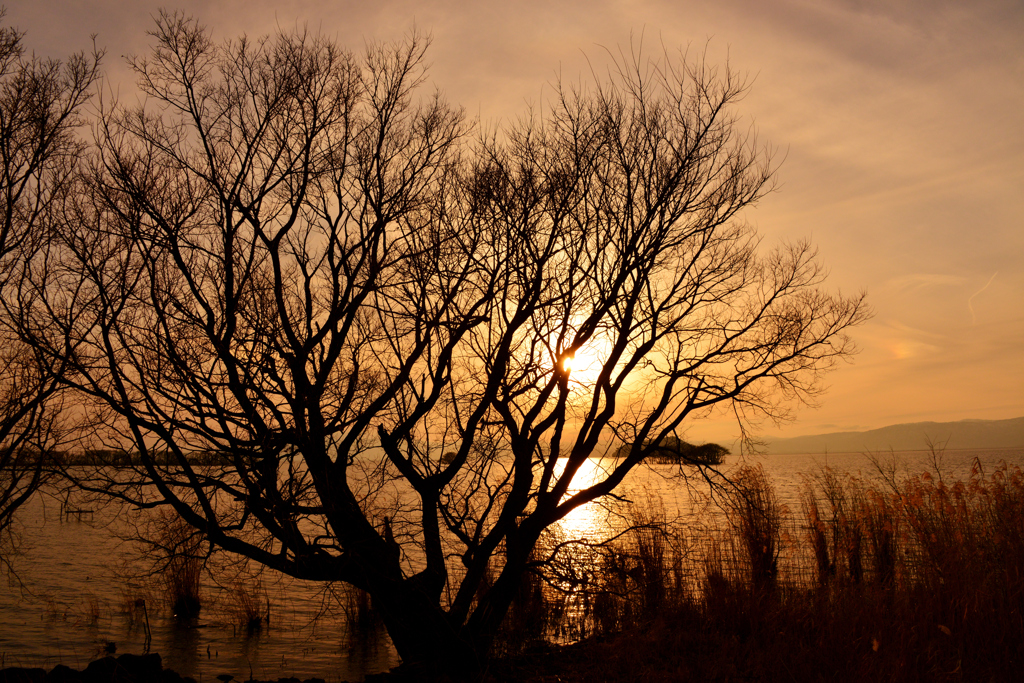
(72, 599)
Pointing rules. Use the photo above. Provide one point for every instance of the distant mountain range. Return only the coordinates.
(910, 437)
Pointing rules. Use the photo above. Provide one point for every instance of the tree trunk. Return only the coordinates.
(423, 636)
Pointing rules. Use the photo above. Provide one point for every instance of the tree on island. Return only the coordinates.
(40, 105)
(286, 255)
(674, 451)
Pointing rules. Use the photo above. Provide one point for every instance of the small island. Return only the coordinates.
(674, 451)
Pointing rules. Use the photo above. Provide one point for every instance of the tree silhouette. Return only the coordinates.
(673, 450)
(40, 104)
(286, 256)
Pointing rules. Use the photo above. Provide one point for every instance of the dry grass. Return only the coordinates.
(364, 624)
(756, 519)
(912, 580)
(250, 605)
(180, 551)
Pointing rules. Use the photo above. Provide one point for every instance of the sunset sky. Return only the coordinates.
(901, 123)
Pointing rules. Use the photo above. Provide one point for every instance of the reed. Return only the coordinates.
(817, 536)
(250, 605)
(885, 579)
(92, 611)
(835, 507)
(879, 514)
(180, 555)
(361, 619)
(756, 517)
(532, 614)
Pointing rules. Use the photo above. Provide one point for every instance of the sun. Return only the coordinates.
(586, 364)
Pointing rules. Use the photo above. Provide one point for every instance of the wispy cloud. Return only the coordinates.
(912, 282)
(970, 304)
(900, 121)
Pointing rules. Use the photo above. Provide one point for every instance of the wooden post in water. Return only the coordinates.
(141, 602)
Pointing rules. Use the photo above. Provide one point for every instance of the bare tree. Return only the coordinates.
(337, 332)
(40, 104)
(613, 235)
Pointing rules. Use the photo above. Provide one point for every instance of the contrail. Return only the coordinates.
(974, 318)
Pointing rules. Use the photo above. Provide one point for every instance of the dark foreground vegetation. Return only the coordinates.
(123, 669)
(883, 578)
(888, 579)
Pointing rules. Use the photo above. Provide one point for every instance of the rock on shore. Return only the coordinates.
(127, 668)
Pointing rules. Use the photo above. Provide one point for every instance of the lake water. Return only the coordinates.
(71, 597)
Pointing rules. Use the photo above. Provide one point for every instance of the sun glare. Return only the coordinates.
(586, 521)
(585, 365)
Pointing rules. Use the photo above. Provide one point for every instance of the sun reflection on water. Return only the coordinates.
(588, 521)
